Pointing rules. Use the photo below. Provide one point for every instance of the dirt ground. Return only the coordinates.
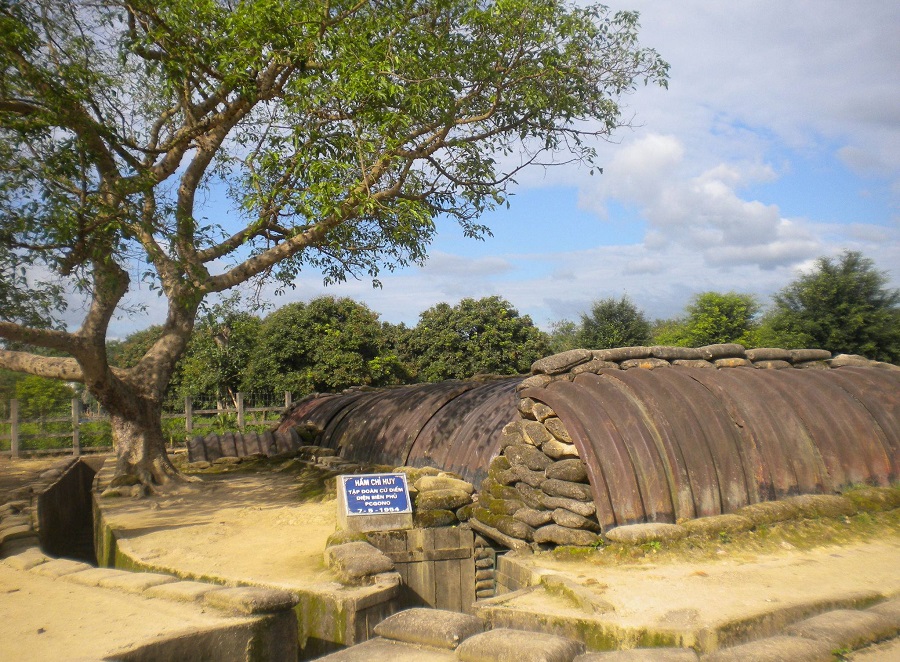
(270, 527)
(16, 474)
(237, 528)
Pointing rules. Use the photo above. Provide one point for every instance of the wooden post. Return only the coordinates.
(76, 421)
(240, 411)
(287, 399)
(14, 428)
(188, 417)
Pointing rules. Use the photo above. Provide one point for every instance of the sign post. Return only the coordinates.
(374, 502)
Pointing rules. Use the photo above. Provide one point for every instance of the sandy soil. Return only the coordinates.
(16, 474)
(51, 619)
(713, 593)
(237, 528)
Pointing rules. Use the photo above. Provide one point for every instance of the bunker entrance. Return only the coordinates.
(66, 514)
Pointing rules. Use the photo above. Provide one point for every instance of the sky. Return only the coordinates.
(776, 142)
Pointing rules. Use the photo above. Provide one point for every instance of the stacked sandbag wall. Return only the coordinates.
(608, 438)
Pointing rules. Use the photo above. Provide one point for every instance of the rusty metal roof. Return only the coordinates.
(680, 442)
(454, 425)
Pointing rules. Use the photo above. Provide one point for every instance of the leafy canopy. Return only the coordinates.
(476, 336)
(325, 345)
(196, 145)
(842, 305)
(613, 323)
(713, 317)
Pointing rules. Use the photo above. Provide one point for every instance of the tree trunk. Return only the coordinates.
(141, 456)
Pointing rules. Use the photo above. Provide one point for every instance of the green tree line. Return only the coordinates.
(330, 344)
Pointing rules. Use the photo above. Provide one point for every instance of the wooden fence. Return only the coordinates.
(194, 421)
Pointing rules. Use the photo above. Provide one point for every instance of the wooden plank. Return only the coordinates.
(428, 555)
(467, 575)
(445, 589)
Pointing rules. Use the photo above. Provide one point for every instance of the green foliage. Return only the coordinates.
(42, 398)
(613, 323)
(483, 336)
(563, 336)
(328, 344)
(843, 305)
(327, 134)
(220, 349)
(712, 317)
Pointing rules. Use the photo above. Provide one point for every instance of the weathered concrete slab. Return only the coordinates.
(518, 646)
(431, 627)
(384, 650)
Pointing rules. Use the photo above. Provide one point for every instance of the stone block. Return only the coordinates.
(734, 362)
(528, 457)
(541, 411)
(533, 518)
(93, 576)
(443, 499)
(670, 353)
(774, 649)
(768, 354)
(572, 470)
(716, 524)
(595, 366)
(621, 353)
(890, 610)
(186, 591)
(26, 559)
(641, 655)
(561, 535)
(558, 429)
(505, 524)
(533, 478)
(645, 364)
(59, 567)
(354, 562)
(535, 381)
(251, 600)
(432, 519)
(525, 406)
(559, 450)
(535, 433)
(845, 628)
(772, 365)
(562, 362)
(518, 645)
(698, 363)
(430, 627)
(769, 512)
(804, 355)
(136, 582)
(637, 534)
(566, 489)
(822, 505)
(721, 351)
(572, 520)
(428, 483)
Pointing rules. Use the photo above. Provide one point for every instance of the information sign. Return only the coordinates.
(376, 494)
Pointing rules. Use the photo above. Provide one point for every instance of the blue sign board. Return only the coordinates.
(376, 494)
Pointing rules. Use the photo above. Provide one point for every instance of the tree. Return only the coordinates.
(712, 317)
(613, 323)
(221, 346)
(326, 345)
(843, 305)
(337, 131)
(40, 398)
(483, 336)
(563, 336)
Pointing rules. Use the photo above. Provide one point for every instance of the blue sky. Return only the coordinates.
(778, 141)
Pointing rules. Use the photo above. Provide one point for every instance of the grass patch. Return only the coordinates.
(802, 534)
